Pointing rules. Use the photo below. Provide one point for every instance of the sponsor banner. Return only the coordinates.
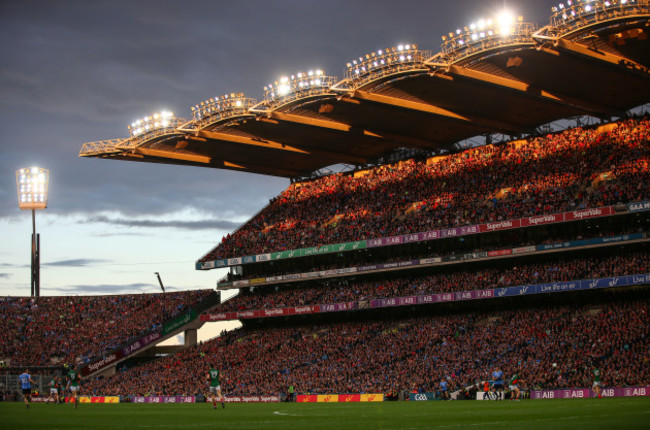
(590, 284)
(256, 281)
(474, 255)
(427, 298)
(620, 238)
(639, 279)
(349, 398)
(459, 231)
(500, 225)
(500, 252)
(486, 395)
(327, 398)
(369, 268)
(337, 307)
(274, 312)
(98, 399)
(589, 213)
(515, 291)
(178, 322)
(445, 297)
(542, 219)
(223, 316)
(242, 283)
(205, 266)
(524, 249)
(141, 343)
(557, 287)
(372, 397)
(163, 399)
(339, 398)
(420, 397)
(263, 257)
(580, 393)
(304, 310)
(242, 315)
(106, 361)
(303, 398)
(394, 301)
(431, 260)
(248, 259)
(252, 399)
(638, 207)
(235, 261)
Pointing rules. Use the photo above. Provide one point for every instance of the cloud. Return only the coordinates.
(75, 262)
(100, 289)
(182, 225)
(5, 275)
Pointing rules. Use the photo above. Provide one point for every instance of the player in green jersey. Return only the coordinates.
(74, 386)
(515, 382)
(214, 376)
(598, 386)
(54, 389)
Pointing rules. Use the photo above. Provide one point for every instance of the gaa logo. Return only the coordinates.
(420, 397)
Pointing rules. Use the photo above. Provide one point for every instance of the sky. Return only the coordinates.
(80, 71)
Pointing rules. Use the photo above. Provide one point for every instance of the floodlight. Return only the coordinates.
(156, 121)
(32, 184)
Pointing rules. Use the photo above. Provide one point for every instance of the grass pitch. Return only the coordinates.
(628, 413)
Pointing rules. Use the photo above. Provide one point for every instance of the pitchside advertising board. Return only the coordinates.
(82, 399)
(339, 398)
(575, 393)
(580, 393)
(421, 397)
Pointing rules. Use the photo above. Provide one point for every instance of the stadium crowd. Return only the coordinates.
(412, 354)
(574, 169)
(458, 279)
(72, 330)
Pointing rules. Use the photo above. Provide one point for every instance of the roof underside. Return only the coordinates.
(512, 91)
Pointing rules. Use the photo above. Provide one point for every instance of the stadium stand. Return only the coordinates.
(574, 169)
(462, 277)
(415, 353)
(73, 330)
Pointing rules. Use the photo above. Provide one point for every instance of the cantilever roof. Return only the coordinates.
(600, 68)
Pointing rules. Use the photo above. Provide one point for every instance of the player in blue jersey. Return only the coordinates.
(444, 389)
(26, 382)
(497, 385)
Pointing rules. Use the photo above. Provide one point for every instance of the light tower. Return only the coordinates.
(32, 184)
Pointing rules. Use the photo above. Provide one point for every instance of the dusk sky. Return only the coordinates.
(81, 71)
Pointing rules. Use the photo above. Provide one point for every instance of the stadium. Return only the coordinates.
(486, 239)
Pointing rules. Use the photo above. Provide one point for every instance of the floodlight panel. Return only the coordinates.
(32, 186)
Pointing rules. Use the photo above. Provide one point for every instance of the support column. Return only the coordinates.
(190, 337)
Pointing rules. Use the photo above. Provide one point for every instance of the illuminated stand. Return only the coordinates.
(32, 184)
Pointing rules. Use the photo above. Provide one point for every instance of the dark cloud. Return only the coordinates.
(77, 262)
(5, 275)
(99, 289)
(184, 225)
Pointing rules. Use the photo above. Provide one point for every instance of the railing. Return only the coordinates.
(482, 37)
(381, 63)
(575, 14)
(219, 109)
(295, 87)
(101, 147)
